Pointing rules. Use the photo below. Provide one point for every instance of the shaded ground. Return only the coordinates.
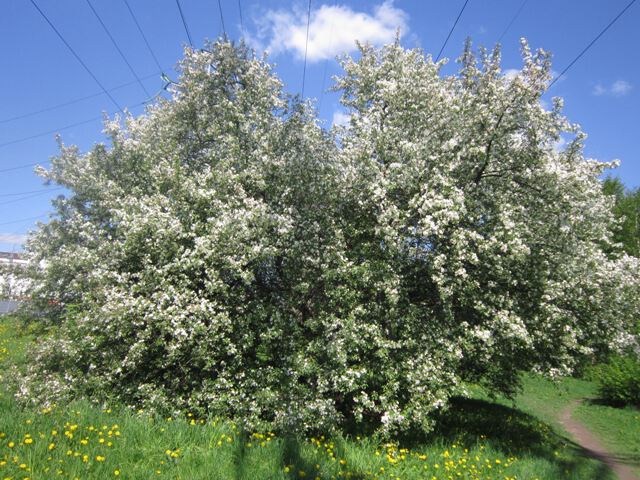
(592, 447)
(519, 434)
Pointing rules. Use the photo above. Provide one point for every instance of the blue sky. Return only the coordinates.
(601, 91)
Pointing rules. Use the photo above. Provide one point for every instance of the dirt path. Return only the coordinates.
(592, 445)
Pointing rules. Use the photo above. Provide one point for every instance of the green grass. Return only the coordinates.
(476, 439)
(81, 441)
(617, 428)
(546, 399)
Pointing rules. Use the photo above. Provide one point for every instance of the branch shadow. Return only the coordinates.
(293, 457)
(513, 432)
(604, 402)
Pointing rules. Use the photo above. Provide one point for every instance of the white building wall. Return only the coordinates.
(11, 287)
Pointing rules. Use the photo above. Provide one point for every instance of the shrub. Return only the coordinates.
(619, 380)
(228, 255)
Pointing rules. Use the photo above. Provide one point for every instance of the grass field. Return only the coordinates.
(618, 429)
(476, 439)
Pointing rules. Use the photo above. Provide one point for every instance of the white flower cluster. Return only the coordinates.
(227, 255)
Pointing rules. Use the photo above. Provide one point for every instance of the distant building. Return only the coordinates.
(11, 288)
(11, 258)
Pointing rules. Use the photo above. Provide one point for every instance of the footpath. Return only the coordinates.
(592, 446)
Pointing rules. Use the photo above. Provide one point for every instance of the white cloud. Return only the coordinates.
(618, 88)
(12, 238)
(340, 118)
(333, 30)
(511, 73)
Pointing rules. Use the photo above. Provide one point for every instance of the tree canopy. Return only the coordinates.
(227, 254)
(626, 232)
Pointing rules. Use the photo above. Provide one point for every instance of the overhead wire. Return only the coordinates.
(26, 193)
(240, 12)
(513, 19)
(184, 22)
(71, 102)
(104, 91)
(324, 78)
(117, 47)
(20, 167)
(24, 219)
(13, 241)
(66, 127)
(324, 68)
(597, 37)
(144, 37)
(84, 65)
(48, 132)
(27, 197)
(224, 30)
(452, 29)
(306, 48)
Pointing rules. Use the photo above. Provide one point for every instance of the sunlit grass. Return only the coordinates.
(617, 428)
(476, 439)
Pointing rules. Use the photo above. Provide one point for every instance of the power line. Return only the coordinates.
(115, 44)
(324, 69)
(106, 92)
(584, 50)
(48, 132)
(240, 11)
(27, 197)
(184, 22)
(135, 20)
(26, 193)
(71, 102)
(224, 30)
(513, 19)
(56, 130)
(8, 238)
(20, 167)
(452, 28)
(306, 47)
(324, 77)
(24, 219)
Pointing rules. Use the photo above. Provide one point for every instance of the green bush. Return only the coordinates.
(619, 380)
(227, 255)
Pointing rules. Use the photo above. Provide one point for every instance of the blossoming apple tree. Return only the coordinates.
(226, 254)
